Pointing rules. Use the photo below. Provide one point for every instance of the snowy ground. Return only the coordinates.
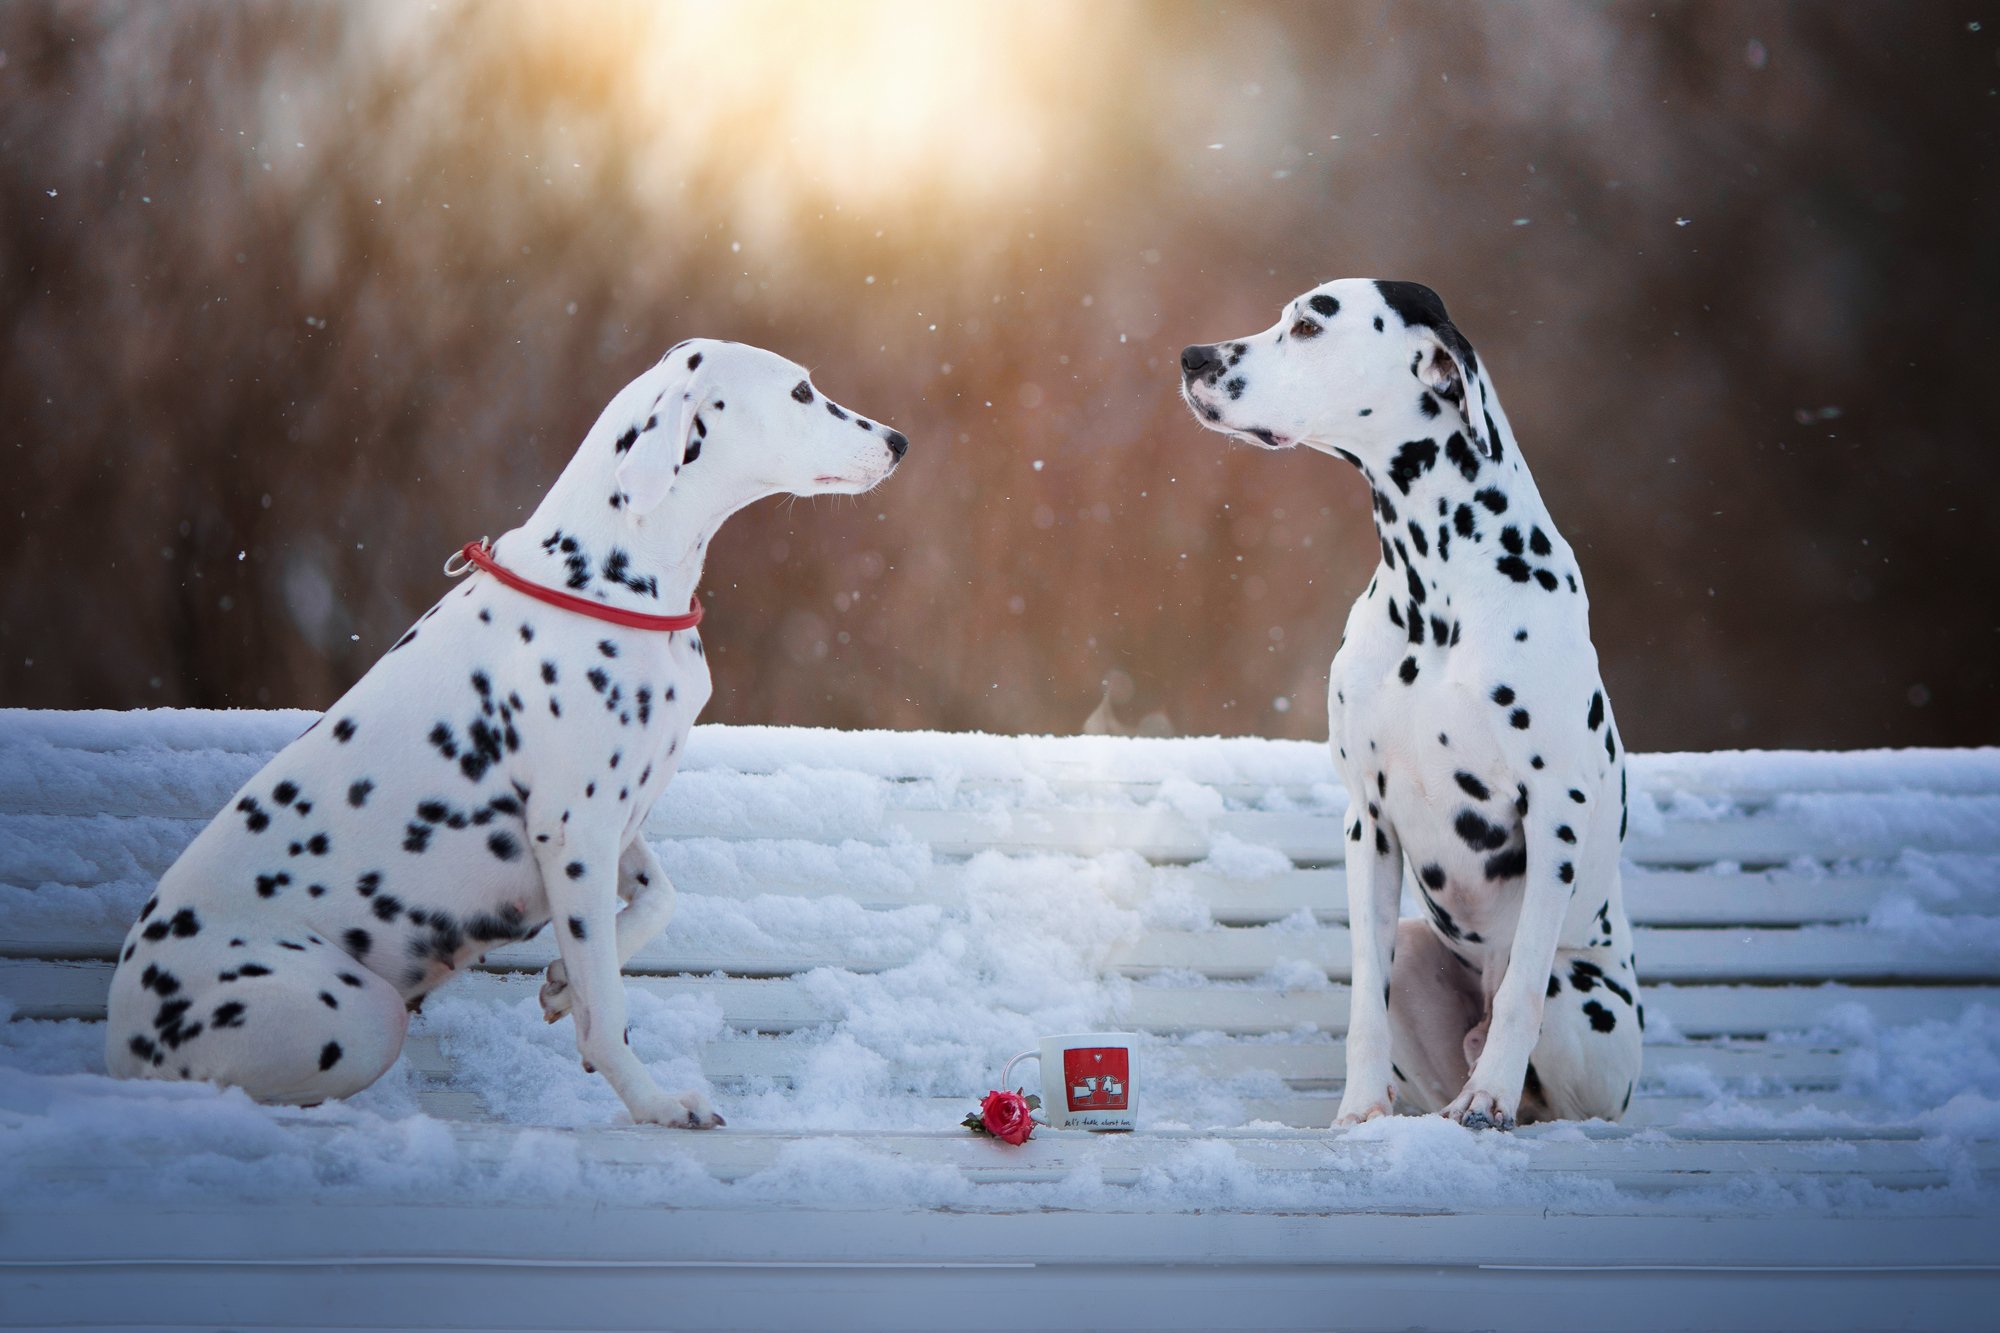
(1012, 949)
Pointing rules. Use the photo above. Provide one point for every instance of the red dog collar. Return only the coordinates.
(480, 556)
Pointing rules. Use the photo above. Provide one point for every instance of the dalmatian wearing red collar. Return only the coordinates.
(1469, 724)
(491, 772)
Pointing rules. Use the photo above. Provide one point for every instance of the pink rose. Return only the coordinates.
(1007, 1116)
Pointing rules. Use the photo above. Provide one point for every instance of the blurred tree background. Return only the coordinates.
(296, 298)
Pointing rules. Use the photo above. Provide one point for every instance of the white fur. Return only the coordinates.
(489, 774)
(1501, 713)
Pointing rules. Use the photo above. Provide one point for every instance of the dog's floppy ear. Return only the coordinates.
(1449, 368)
(655, 450)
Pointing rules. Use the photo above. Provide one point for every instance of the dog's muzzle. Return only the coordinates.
(1199, 361)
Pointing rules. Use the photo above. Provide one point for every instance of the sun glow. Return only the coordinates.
(865, 102)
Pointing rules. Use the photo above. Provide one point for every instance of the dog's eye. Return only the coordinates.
(1305, 328)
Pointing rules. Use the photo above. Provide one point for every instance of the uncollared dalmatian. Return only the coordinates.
(489, 774)
(1468, 720)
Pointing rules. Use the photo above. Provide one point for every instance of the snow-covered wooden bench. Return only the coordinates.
(871, 922)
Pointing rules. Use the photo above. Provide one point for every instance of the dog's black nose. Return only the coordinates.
(1199, 360)
(899, 444)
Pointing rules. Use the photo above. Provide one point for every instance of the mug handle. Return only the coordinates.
(1007, 1072)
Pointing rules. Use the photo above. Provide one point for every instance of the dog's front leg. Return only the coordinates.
(649, 897)
(1492, 1095)
(580, 874)
(1374, 889)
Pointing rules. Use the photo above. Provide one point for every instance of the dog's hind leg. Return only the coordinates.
(1434, 1002)
(285, 1016)
(649, 904)
(1586, 1062)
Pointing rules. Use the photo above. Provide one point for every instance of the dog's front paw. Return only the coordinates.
(700, 1114)
(687, 1110)
(1356, 1110)
(1479, 1110)
(555, 992)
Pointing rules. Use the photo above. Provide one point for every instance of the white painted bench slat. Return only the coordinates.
(1767, 839)
(63, 743)
(1058, 1153)
(1301, 1065)
(37, 850)
(36, 780)
(1316, 839)
(1810, 955)
(1650, 1111)
(1632, 1161)
(1652, 897)
(42, 988)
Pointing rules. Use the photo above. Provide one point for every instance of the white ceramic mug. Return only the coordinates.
(1086, 1080)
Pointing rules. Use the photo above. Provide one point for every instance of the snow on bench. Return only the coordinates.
(870, 923)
